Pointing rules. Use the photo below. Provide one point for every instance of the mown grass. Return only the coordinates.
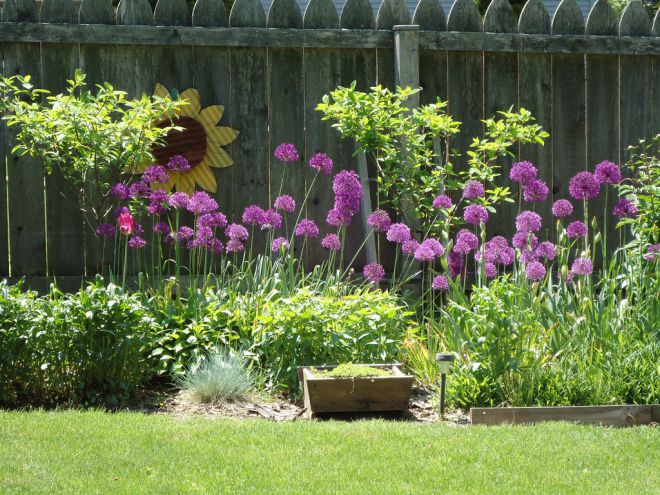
(130, 453)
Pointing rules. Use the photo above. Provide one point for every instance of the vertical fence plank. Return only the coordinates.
(135, 63)
(25, 175)
(656, 79)
(429, 16)
(4, 161)
(465, 81)
(535, 94)
(602, 103)
(636, 73)
(287, 109)
(568, 104)
(501, 93)
(357, 65)
(211, 72)
(64, 221)
(99, 63)
(173, 66)
(322, 75)
(249, 108)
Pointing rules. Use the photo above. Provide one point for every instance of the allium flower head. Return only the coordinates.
(562, 208)
(348, 191)
(443, 201)
(234, 246)
(236, 231)
(607, 173)
(440, 283)
(379, 220)
(535, 190)
(473, 189)
(583, 185)
(306, 228)
(424, 253)
(522, 240)
(576, 229)
(178, 163)
(139, 189)
(454, 263)
(528, 221)
(155, 173)
(213, 220)
(215, 245)
(399, 233)
(409, 247)
(374, 272)
(136, 242)
(435, 246)
(179, 200)
(278, 244)
(497, 251)
(253, 215)
(546, 250)
(465, 242)
(535, 271)
(322, 163)
(285, 203)
(106, 230)
(490, 270)
(652, 252)
(184, 233)
(201, 202)
(271, 220)
(331, 242)
(582, 266)
(286, 152)
(625, 209)
(339, 218)
(475, 214)
(120, 191)
(162, 228)
(523, 172)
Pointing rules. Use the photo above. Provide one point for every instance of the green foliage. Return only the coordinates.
(352, 371)
(90, 138)
(217, 377)
(82, 348)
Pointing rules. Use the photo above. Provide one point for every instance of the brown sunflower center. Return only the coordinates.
(190, 142)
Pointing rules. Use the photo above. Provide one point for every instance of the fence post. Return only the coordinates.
(406, 59)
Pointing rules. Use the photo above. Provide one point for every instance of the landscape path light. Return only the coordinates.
(444, 360)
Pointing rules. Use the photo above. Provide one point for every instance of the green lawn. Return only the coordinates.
(95, 452)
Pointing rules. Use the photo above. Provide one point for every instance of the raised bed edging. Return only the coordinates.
(619, 415)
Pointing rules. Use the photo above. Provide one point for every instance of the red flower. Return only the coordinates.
(126, 223)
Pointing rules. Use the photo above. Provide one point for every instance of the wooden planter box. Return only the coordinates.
(335, 395)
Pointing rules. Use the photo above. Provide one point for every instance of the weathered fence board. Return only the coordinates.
(4, 159)
(656, 78)
(625, 415)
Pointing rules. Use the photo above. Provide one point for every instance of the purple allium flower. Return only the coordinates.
(204, 233)
(155, 173)
(213, 220)
(339, 218)
(583, 185)
(185, 233)
(607, 173)
(625, 208)
(562, 208)
(528, 255)
(523, 172)
(409, 247)
(379, 220)
(180, 200)
(278, 244)
(331, 242)
(435, 246)
(272, 220)
(652, 252)
(162, 228)
(374, 272)
(424, 253)
(285, 203)
(234, 246)
(466, 242)
(306, 228)
(582, 266)
(399, 233)
(473, 189)
(454, 263)
(201, 203)
(139, 189)
(215, 245)
(139, 229)
(156, 209)
(322, 163)
(535, 190)
(535, 271)
(253, 215)
(546, 250)
(576, 229)
(528, 221)
(522, 240)
(348, 191)
(443, 201)
(497, 251)
(120, 191)
(440, 283)
(286, 152)
(236, 231)
(178, 163)
(490, 270)
(106, 230)
(475, 214)
(136, 242)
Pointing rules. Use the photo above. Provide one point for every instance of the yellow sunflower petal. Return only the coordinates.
(210, 116)
(221, 136)
(192, 106)
(185, 183)
(204, 177)
(161, 91)
(218, 158)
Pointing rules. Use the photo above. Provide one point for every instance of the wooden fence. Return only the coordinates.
(594, 85)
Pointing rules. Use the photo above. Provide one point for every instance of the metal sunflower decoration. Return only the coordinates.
(200, 142)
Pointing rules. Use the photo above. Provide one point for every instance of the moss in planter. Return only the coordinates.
(352, 371)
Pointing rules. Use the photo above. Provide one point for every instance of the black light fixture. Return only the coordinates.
(444, 361)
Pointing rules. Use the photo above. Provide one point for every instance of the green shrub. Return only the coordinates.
(219, 376)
